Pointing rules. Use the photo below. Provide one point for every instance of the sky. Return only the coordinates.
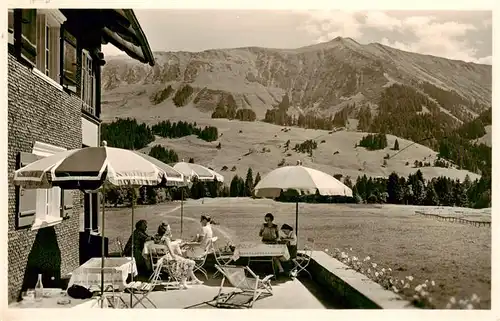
(462, 35)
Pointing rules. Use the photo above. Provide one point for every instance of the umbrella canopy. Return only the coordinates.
(90, 167)
(304, 180)
(202, 173)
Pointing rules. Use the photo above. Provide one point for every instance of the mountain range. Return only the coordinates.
(322, 78)
(351, 87)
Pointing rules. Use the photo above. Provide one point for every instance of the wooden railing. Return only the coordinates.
(454, 219)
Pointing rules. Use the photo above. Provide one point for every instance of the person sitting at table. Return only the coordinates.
(140, 238)
(182, 267)
(289, 238)
(200, 242)
(269, 230)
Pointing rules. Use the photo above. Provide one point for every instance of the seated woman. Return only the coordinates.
(289, 238)
(199, 244)
(182, 268)
(140, 238)
(270, 235)
(269, 230)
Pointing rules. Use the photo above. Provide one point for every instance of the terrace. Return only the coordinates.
(329, 289)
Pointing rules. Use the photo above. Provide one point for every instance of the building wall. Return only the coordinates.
(38, 111)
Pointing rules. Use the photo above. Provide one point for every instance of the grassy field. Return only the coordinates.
(457, 257)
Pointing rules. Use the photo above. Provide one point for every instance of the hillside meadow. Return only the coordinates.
(243, 145)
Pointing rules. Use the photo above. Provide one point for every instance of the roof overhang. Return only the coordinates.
(118, 27)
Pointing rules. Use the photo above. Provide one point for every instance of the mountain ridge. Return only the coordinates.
(318, 78)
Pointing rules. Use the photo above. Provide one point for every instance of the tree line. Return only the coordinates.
(238, 187)
(401, 114)
(375, 142)
(278, 115)
(411, 190)
(227, 108)
(182, 96)
(129, 134)
(395, 189)
(170, 129)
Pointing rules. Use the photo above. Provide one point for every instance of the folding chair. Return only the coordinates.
(141, 290)
(253, 286)
(220, 259)
(157, 251)
(302, 260)
(201, 257)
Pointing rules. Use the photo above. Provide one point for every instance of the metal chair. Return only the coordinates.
(220, 258)
(201, 257)
(141, 290)
(157, 251)
(303, 259)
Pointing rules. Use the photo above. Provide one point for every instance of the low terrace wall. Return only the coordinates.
(350, 288)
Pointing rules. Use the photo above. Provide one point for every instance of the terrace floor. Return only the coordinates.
(287, 294)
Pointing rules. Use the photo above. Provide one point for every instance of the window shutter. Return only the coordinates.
(40, 43)
(26, 198)
(67, 198)
(69, 61)
(28, 35)
(11, 26)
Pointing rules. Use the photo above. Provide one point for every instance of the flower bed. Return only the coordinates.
(418, 292)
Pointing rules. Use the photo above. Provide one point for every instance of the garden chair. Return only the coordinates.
(303, 259)
(221, 259)
(200, 258)
(157, 251)
(253, 286)
(141, 290)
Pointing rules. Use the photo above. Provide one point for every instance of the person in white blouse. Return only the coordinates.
(200, 243)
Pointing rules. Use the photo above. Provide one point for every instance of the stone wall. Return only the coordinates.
(38, 111)
(349, 288)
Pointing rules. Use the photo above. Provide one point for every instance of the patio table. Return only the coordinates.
(116, 273)
(260, 252)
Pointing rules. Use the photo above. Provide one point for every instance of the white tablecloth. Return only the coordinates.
(116, 271)
(252, 249)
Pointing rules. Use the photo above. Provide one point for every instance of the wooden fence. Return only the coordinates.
(454, 219)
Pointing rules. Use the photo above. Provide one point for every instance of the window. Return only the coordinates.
(69, 71)
(35, 34)
(88, 83)
(42, 207)
(48, 43)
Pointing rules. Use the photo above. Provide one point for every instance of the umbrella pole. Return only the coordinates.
(132, 245)
(182, 207)
(102, 246)
(297, 221)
